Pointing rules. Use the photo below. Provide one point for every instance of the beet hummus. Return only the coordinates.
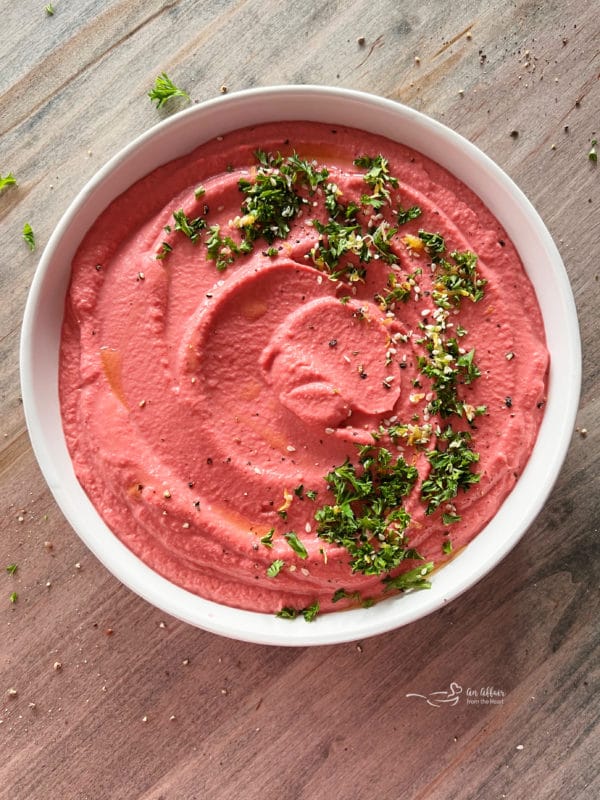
(300, 368)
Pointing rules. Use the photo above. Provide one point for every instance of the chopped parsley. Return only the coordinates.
(450, 469)
(13, 597)
(275, 568)
(267, 539)
(309, 613)
(223, 249)
(189, 227)
(49, 9)
(8, 180)
(413, 579)
(11, 569)
(378, 178)
(447, 547)
(164, 251)
(164, 89)
(593, 153)
(29, 236)
(295, 544)
(367, 517)
(408, 214)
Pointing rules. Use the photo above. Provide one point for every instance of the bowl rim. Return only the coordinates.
(38, 357)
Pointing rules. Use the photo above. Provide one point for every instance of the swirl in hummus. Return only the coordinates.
(300, 367)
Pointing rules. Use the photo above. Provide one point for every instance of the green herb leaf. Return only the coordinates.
(49, 9)
(199, 191)
(164, 251)
(447, 547)
(413, 579)
(450, 469)
(164, 89)
(287, 612)
(275, 568)
(267, 539)
(29, 236)
(189, 227)
(593, 153)
(8, 180)
(11, 569)
(311, 612)
(13, 597)
(295, 544)
(406, 215)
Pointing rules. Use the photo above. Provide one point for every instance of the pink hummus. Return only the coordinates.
(200, 406)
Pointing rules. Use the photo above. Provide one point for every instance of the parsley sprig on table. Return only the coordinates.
(8, 180)
(164, 89)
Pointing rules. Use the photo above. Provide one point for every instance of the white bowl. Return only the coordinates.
(179, 135)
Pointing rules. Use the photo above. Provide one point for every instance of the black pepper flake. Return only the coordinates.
(209, 461)
(501, 242)
(191, 484)
(514, 134)
(363, 375)
(98, 267)
(541, 404)
(402, 365)
(508, 402)
(332, 342)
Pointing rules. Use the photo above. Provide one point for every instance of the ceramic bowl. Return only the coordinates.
(179, 135)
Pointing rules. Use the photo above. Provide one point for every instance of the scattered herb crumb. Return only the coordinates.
(593, 153)
(164, 89)
(13, 597)
(11, 569)
(8, 180)
(49, 9)
(29, 236)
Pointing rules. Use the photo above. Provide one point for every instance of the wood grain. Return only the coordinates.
(226, 719)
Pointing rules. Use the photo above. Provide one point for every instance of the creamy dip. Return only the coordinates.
(298, 363)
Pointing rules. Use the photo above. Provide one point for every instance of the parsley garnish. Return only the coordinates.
(450, 469)
(222, 249)
(367, 517)
(309, 613)
(378, 178)
(164, 251)
(406, 215)
(29, 236)
(295, 544)
(447, 547)
(190, 227)
(593, 153)
(457, 280)
(49, 9)
(199, 191)
(275, 568)
(271, 200)
(267, 539)
(311, 494)
(413, 579)
(8, 180)
(287, 612)
(164, 89)
(11, 569)
(13, 597)
(342, 594)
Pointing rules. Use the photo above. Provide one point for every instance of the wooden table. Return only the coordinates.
(113, 699)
